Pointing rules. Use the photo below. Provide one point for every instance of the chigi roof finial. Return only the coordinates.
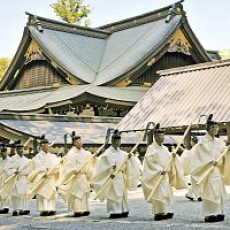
(33, 20)
(175, 9)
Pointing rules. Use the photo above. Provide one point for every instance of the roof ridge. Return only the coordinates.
(194, 67)
(62, 26)
(141, 19)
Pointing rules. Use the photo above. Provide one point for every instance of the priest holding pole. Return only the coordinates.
(116, 173)
(161, 171)
(211, 171)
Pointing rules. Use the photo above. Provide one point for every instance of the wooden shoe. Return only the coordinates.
(170, 215)
(210, 219)
(189, 197)
(78, 214)
(158, 217)
(4, 211)
(87, 213)
(15, 213)
(115, 215)
(45, 213)
(220, 217)
(51, 213)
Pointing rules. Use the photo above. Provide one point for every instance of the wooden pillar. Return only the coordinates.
(150, 137)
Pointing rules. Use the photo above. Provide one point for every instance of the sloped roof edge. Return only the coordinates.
(200, 66)
(193, 39)
(39, 100)
(139, 19)
(66, 27)
(16, 59)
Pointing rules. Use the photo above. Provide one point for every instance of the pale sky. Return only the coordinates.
(209, 19)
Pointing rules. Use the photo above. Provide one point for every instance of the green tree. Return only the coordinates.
(225, 54)
(72, 11)
(4, 63)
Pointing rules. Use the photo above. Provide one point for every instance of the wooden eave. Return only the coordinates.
(11, 133)
(88, 97)
(63, 118)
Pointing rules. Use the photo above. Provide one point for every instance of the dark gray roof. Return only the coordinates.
(127, 48)
(105, 55)
(79, 55)
(101, 60)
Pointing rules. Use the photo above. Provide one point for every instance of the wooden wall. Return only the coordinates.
(38, 73)
(168, 60)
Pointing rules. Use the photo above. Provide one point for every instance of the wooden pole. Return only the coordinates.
(228, 133)
(150, 137)
(168, 164)
(187, 140)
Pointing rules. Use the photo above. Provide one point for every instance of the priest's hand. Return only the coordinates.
(163, 172)
(45, 176)
(16, 172)
(76, 172)
(214, 163)
(112, 176)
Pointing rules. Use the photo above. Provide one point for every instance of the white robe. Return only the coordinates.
(4, 174)
(187, 160)
(46, 194)
(156, 159)
(126, 179)
(212, 188)
(76, 190)
(18, 198)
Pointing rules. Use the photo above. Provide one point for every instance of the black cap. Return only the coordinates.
(74, 136)
(210, 122)
(3, 148)
(43, 140)
(158, 130)
(116, 135)
(18, 144)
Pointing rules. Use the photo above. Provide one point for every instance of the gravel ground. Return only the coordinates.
(187, 216)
